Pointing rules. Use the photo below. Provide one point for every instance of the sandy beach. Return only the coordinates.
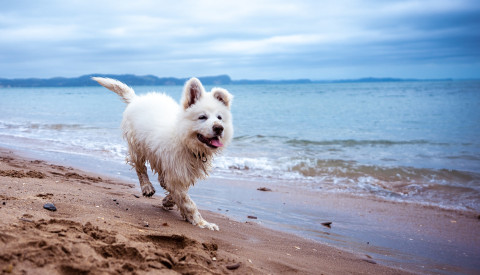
(102, 225)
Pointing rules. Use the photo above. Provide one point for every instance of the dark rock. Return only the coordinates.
(252, 217)
(264, 189)
(50, 206)
(327, 224)
(233, 266)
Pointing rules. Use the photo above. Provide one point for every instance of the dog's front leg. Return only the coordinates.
(189, 210)
(145, 184)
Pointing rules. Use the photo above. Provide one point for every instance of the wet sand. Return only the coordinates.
(420, 238)
(103, 225)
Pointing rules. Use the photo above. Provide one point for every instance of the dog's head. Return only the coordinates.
(206, 119)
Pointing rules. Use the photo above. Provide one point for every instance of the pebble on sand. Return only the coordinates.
(233, 266)
(327, 224)
(50, 206)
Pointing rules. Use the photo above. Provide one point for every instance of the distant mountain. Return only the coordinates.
(151, 80)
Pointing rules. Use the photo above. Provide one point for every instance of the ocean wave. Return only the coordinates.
(336, 142)
(26, 126)
(441, 186)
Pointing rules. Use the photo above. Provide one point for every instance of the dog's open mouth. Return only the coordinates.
(213, 142)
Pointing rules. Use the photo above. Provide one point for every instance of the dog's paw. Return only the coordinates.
(168, 203)
(205, 224)
(148, 190)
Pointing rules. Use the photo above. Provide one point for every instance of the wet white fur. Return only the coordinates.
(164, 133)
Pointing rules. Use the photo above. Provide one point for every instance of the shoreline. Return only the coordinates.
(370, 231)
(101, 226)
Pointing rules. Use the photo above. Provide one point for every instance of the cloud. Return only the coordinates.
(247, 39)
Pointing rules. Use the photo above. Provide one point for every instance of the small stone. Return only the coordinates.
(252, 217)
(4, 203)
(327, 224)
(233, 266)
(265, 189)
(136, 196)
(8, 269)
(165, 224)
(50, 206)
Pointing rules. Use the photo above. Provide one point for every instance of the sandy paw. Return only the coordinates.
(211, 226)
(148, 190)
(168, 203)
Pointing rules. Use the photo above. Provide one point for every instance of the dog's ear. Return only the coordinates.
(192, 92)
(223, 96)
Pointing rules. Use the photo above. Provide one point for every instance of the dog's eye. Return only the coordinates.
(219, 117)
(203, 117)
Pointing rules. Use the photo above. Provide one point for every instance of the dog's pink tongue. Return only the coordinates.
(216, 143)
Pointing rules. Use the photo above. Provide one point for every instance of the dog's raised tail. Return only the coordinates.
(121, 89)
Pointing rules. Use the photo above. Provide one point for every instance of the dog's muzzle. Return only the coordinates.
(213, 142)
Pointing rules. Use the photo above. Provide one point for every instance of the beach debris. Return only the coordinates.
(136, 196)
(233, 266)
(265, 189)
(165, 224)
(3, 202)
(214, 258)
(327, 224)
(297, 248)
(50, 207)
(8, 269)
(145, 224)
(252, 217)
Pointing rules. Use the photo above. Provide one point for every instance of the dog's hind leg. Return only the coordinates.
(137, 160)
(145, 184)
(167, 202)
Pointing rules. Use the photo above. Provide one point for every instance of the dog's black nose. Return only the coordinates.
(218, 129)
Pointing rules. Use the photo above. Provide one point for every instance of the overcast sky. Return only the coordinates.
(249, 39)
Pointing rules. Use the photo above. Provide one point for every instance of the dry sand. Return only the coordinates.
(104, 226)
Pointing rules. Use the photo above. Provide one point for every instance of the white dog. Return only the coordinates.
(179, 141)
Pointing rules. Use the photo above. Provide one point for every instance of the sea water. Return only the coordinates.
(416, 142)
